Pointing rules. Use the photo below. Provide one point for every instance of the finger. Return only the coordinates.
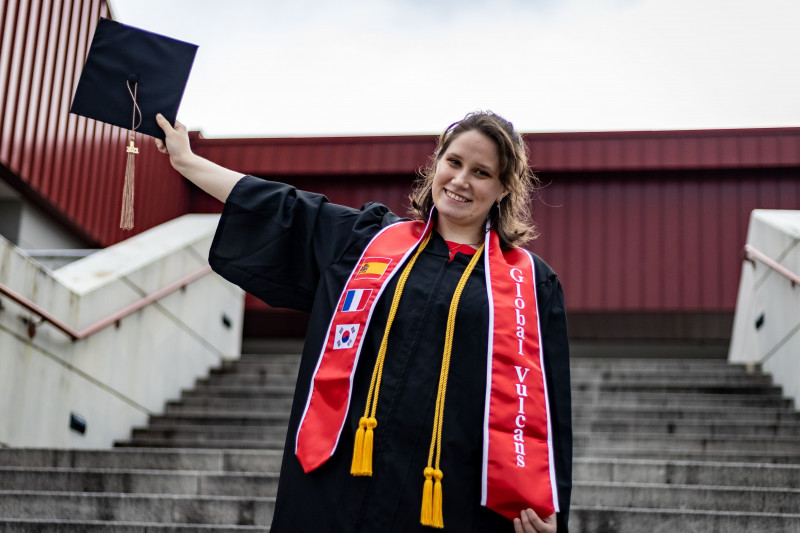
(162, 147)
(534, 519)
(179, 126)
(525, 523)
(164, 124)
(518, 526)
(541, 525)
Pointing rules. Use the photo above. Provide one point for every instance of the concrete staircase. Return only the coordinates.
(686, 445)
(661, 445)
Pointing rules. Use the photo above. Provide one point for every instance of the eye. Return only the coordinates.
(454, 162)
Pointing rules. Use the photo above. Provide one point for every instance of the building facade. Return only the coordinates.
(644, 228)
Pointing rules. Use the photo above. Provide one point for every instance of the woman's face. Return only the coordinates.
(466, 185)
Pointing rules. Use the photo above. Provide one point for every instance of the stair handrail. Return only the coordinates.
(114, 318)
(751, 254)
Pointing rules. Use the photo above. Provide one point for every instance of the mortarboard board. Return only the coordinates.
(157, 65)
(129, 76)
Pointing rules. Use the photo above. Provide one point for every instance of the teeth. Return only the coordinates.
(455, 197)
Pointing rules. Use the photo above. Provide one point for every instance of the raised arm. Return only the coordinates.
(216, 180)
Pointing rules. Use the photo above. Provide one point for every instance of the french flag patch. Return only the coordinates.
(355, 300)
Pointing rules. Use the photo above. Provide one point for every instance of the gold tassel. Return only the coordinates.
(438, 515)
(126, 220)
(426, 517)
(366, 458)
(358, 448)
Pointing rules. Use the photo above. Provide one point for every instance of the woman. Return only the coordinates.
(417, 403)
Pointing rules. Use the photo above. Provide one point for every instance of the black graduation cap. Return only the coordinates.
(130, 75)
(155, 67)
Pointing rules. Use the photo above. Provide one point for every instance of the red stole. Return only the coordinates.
(517, 464)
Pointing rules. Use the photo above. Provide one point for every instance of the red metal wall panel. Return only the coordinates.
(320, 155)
(661, 150)
(657, 241)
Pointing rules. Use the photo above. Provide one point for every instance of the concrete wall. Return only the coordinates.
(766, 328)
(25, 225)
(38, 230)
(117, 377)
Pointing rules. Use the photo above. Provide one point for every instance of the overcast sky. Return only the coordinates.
(345, 67)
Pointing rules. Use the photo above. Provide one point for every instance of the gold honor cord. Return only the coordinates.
(431, 514)
(126, 219)
(362, 448)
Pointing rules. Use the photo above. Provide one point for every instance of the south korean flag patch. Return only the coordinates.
(345, 336)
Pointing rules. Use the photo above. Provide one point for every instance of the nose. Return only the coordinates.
(460, 178)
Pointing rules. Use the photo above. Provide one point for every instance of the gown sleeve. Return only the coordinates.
(557, 372)
(274, 240)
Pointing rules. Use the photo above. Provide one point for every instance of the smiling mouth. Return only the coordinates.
(456, 197)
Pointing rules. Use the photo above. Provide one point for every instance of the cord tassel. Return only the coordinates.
(438, 517)
(126, 219)
(426, 517)
(369, 436)
(358, 448)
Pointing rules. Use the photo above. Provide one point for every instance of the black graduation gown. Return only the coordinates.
(294, 249)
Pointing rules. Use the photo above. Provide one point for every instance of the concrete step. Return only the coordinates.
(222, 405)
(586, 441)
(583, 519)
(632, 370)
(678, 387)
(671, 399)
(579, 379)
(220, 460)
(696, 497)
(247, 380)
(260, 376)
(667, 451)
(210, 433)
(254, 428)
(138, 481)
(161, 509)
(686, 472)
(214, 391)
(232, 418)
(265, 366)
(707, 378)
(654, 364)
(611, 411)
(709, 428)
(234, 444)
(282, 358)
(47, 525)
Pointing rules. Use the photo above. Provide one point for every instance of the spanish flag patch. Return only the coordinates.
(373, 268)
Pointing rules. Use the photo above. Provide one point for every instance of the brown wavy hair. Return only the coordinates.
(511, 218)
